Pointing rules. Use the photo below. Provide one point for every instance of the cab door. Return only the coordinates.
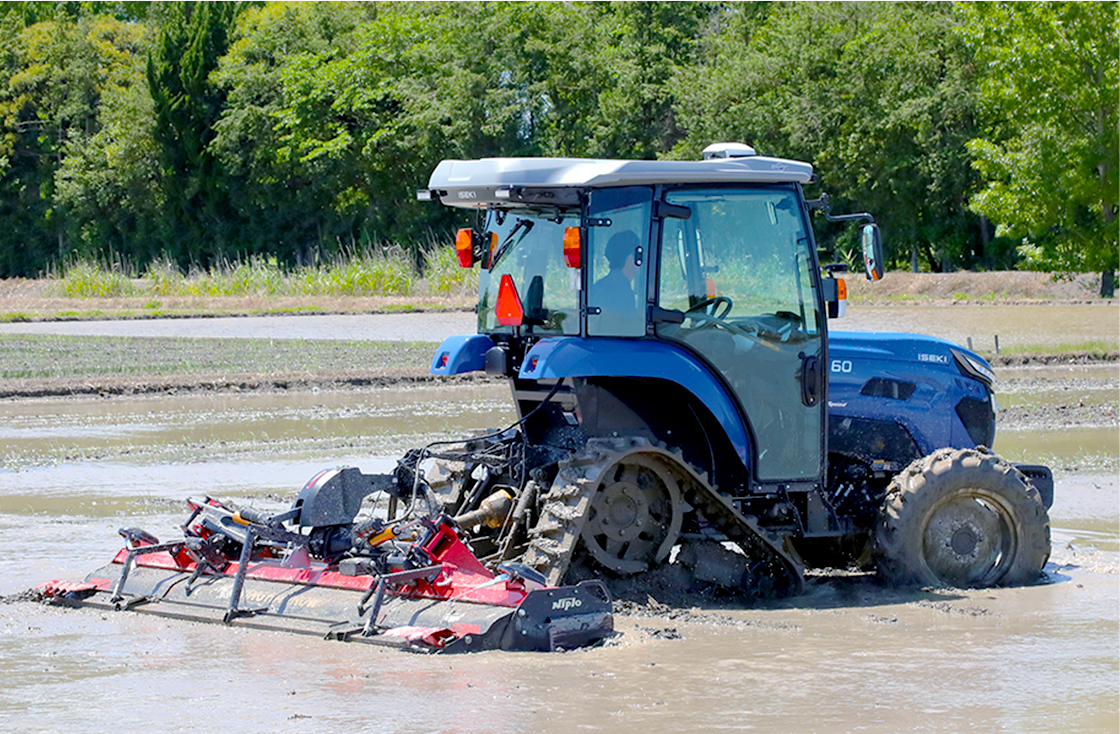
(737, 263)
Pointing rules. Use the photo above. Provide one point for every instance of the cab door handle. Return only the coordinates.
(810, 380)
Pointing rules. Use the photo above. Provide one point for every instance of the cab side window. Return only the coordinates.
(617, 262)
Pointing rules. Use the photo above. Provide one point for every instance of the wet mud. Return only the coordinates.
(848, 654)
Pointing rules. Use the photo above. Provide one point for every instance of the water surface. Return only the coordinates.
(846, 656)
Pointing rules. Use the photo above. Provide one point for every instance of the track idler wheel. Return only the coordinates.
(635, 516)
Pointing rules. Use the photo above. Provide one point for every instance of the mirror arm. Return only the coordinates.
(849, 217)
(822, 205)
(659, 315)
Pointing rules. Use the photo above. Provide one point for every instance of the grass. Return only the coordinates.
(989, 297)
(1087, 347)
(365, 275)
(870, 296)
(87, 278)
(388, 273)
(445, 277)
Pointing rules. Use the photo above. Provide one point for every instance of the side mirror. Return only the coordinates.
(872, 251)
(471, 247)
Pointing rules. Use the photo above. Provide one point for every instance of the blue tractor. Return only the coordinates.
(681, 398)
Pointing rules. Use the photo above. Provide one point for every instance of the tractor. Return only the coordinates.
(684, 415)
(681, 398)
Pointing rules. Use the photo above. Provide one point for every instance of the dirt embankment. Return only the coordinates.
(1002, 286)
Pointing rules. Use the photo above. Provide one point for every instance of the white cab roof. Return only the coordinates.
(474, 183)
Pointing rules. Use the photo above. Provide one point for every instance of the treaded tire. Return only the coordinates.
(962, 518)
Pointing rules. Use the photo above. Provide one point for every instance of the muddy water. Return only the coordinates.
(846, 656)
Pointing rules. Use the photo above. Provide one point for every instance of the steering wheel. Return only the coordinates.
(707, 320)
(715, 303)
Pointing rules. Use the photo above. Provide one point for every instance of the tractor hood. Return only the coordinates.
(900, 347)
(466, 353)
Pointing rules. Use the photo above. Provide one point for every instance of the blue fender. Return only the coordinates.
(560, 357)
(461, 353)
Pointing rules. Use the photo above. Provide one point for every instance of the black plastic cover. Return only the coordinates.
(1042, 479)
(561, 618)
(979, 419)
(334, 497)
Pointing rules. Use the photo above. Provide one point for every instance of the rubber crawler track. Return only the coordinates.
(566, 505)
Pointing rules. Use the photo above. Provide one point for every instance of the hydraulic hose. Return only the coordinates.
(424, 452)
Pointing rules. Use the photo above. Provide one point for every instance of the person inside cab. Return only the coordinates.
(614, 293)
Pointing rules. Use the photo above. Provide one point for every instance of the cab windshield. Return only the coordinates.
(529, 247)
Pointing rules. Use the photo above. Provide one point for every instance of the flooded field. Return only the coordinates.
(847, 656)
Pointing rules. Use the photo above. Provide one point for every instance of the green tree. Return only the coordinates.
(480, 79)
(54, 75)
(108, 182)
(334, 114)
(285, 207)
(642, 46)
(1051, 147)
(877, 95)
(364, 119)
(193, 36)
(551, 55)
(346, 125)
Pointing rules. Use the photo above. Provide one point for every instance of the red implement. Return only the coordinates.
(427, 593)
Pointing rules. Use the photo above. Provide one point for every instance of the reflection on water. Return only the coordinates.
(1066, 448)
(848, 655)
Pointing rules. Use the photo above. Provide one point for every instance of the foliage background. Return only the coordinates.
(982, 136)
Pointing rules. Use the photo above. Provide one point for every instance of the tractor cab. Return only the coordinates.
(663, 326)
(664, 329)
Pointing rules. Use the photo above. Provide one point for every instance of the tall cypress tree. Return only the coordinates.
(194, 35)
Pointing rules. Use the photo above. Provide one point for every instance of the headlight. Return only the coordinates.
(971, 366)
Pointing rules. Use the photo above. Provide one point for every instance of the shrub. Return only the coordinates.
(89, 278)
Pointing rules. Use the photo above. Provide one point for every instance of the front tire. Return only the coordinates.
(962, 518)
